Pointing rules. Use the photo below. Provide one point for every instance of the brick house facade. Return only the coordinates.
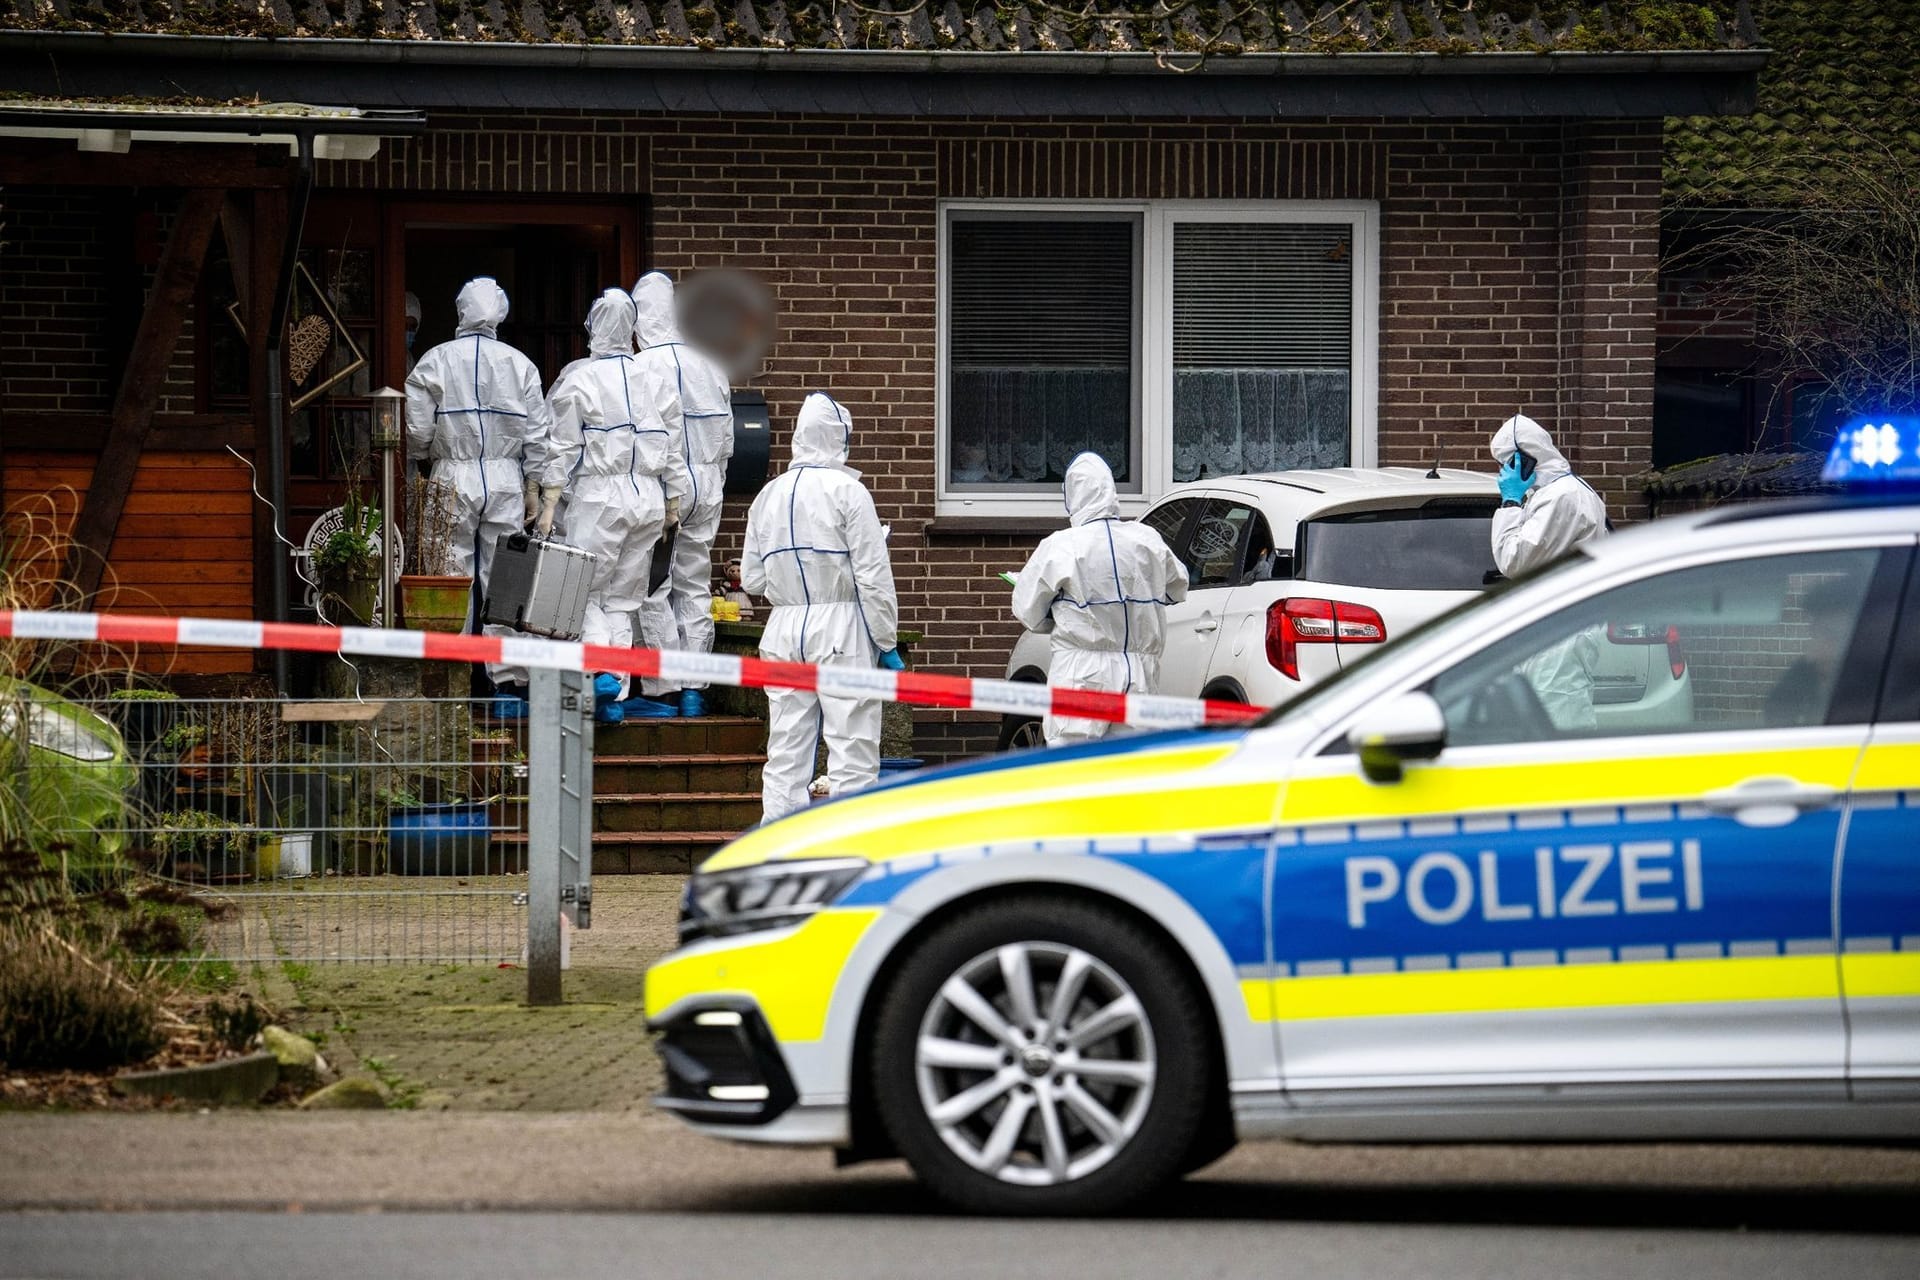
(1515, 270)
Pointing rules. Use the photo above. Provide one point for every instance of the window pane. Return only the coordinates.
(1043, 317)
(1446, 548)
(1750, 644)
(1262, 347)
(1216, 560)
(1167, 520)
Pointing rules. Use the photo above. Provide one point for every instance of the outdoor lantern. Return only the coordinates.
(389, 406)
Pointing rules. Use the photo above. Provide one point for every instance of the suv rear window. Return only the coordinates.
(1437, 547)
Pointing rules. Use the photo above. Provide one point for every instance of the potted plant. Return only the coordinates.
(348, 566)
(449, 839)
(433, 597)
(200, 846)
(142, 715)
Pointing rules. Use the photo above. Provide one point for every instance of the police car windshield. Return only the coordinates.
(1333, 684)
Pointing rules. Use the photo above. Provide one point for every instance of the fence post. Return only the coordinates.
(559, 782)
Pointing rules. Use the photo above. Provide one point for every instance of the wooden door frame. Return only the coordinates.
(625, 217)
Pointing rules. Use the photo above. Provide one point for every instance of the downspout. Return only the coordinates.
(276, 452)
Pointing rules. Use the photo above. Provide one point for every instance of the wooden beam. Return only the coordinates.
(153, 347)
(30, 163)
(87, 432)
(236, 229)
(267, 235)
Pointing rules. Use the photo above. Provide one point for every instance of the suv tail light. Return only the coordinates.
(1652, 633)
(1292, 623)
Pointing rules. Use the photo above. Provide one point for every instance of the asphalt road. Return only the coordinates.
(404, 1246)
(279, 1195)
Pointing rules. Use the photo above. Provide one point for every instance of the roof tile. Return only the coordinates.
(1215, 27)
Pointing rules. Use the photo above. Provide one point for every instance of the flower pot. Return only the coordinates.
(439, 840)
(349, 601)
(435, 602)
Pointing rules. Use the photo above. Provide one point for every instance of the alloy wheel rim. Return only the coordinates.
(1027, 734)
(1035, 1063)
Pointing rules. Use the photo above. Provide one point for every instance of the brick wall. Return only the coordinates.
(53, 303)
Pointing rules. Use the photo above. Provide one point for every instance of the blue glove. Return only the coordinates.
(1513, 485)
(892, 661)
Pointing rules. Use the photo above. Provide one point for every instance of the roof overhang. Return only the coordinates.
(484, 75)
(335, 133)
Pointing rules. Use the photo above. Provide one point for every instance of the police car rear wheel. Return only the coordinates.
(1041, 1056)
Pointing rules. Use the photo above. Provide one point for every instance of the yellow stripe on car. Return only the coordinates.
(1102, 797)
(1504, 990)
(790, 977)
(1880, 974)
(1343, 795)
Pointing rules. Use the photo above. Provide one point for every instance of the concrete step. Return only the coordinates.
(650, 812)
(619, 853)
(733, 772)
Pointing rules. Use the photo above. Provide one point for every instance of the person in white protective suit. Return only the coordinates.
(1545, 512)
(1101, 588)
(617, 453)
(816, 549)
(679, 613)
(476, 412)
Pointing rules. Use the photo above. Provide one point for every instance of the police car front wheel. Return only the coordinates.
(1042, 1055)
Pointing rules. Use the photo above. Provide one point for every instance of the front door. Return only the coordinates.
(1560, 900)
(1214, 548)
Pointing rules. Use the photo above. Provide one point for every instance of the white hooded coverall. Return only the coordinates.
(474, 407)
(679, 614)
(1561, 512)
(616, 451)
(815, 548)
(1101, 588)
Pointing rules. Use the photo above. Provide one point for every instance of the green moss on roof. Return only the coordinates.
(1841, 77)
(1202, 27)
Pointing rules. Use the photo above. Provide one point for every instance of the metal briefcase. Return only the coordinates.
(539, 586)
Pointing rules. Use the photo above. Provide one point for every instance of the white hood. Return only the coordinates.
(1523, 433)
(653, 301)
(610, 324)
(481, 306)
(822, 433)
(1090, 491)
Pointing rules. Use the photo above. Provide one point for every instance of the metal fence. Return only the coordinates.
(365, 829)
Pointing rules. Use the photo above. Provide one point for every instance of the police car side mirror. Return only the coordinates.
(1409, 727)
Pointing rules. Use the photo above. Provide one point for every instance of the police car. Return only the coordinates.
(1408, 905)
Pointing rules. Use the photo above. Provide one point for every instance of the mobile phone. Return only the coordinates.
(1527, 463)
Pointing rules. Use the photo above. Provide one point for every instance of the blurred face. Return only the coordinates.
(413, 328)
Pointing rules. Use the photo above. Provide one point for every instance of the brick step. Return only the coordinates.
(642, 852)
(650, 812)
(706, 735)
(735, 773)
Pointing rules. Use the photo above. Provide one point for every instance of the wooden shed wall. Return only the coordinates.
(184, 545)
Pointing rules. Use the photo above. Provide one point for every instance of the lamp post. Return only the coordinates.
(388, 407)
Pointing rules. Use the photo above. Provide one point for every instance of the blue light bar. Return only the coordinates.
(1875, 451)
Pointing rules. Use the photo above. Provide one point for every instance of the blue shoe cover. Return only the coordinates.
(606, 688)
(691, 703)
(508, 707)
(609, 712)
(648, 709)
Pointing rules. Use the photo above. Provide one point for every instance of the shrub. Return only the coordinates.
(236, 1022)
(59, 1009)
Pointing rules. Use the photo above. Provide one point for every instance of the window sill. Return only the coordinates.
(1016, 525)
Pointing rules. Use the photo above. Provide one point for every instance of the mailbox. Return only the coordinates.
(747, 468)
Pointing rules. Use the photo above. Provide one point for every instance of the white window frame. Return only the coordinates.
(1158, 218)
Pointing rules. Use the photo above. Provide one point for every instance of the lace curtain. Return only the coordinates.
(1238, 421)
(1023, 426)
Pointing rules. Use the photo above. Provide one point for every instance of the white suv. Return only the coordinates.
(1293, 574)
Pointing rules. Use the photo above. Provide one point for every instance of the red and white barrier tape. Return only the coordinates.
(959, 692)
